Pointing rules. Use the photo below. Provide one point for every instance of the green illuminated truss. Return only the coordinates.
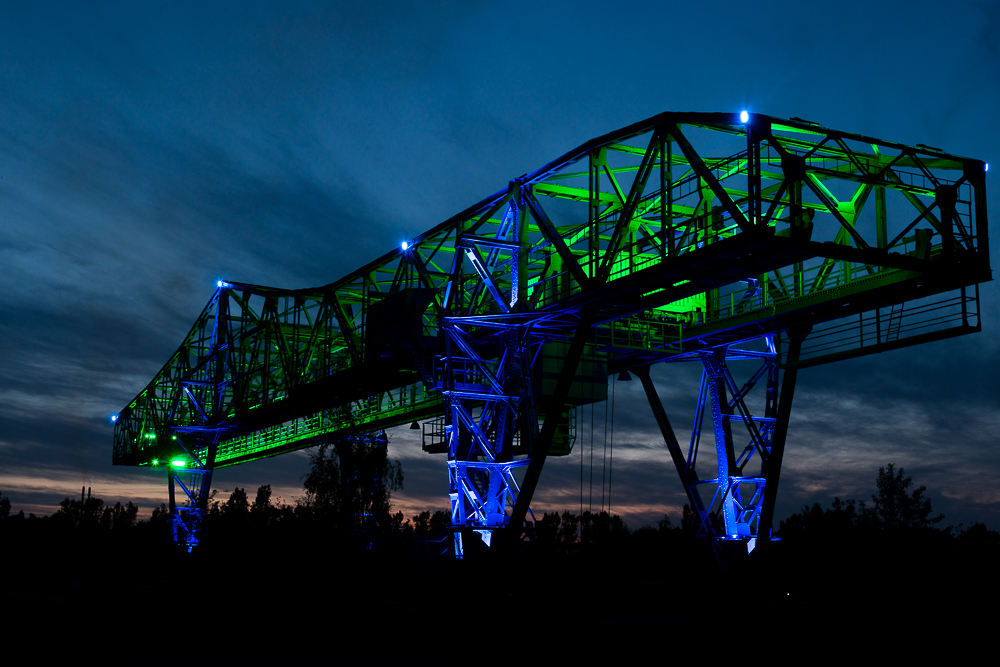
(870, 245)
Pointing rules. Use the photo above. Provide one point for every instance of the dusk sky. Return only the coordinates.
(149, 149)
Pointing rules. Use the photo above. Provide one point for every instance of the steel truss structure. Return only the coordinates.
(715, 238)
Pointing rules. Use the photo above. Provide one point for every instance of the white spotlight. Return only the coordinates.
(744, 116)
(405, 245)
(219, 283)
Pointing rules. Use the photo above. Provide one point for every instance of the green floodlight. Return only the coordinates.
(156, 462)
(178, 463)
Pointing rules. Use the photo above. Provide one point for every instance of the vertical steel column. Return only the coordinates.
(190, 516)
(198, 469)
(685, 471)
(721, 413)
(486, 386)
(772, 471)
(199, 459)
(734, 512)
(486, 399)
(540, 448)
(172, 506)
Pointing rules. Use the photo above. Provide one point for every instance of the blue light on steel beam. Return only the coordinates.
(987, 167)
(219, 283)
(114, 418)
(405, 245)
(744, 116)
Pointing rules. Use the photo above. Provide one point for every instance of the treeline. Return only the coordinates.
(340, 549)
(352, 506)
(896, 514)
(88, 514)
(346, 511)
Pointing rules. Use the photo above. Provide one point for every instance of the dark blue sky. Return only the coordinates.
(147, 149)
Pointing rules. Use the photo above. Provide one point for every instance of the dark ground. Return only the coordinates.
(270, 592)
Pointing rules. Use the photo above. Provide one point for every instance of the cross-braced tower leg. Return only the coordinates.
(487, 400)
(748, 425)
(186, 519)
(193, 476)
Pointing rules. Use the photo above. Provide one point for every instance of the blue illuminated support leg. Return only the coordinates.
(206, 395)
(744, 441)
(186, 519)
(740, 479)
(487, 400)
(781, 406)
(484, 512)
(486, 381)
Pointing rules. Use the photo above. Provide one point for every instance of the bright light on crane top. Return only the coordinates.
(114, 418)
(744, 116)
(405, 245)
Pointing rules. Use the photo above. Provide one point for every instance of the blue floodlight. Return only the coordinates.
(114, 418)
(744, 116)
(987, 167)
(219, 283)
(405, 245)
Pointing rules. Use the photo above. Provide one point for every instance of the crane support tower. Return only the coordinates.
(751, 245)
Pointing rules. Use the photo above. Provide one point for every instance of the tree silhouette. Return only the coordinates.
(90, 513)
(83, 513)
(262, 502)
(4, 507)
(430, 526)
(893, 509)
(236, 510)
(261, 510)
(840, 520)
(119, 517)
(690, 521)
(350, 481)
(602, 528)
(160, 517)
(568, 526)
(547, 530)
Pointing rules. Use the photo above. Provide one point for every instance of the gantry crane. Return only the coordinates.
(751, 245)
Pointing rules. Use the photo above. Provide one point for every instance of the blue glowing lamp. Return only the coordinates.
(744, 116)
(405, 245)
(219, 283)
(114, 418)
